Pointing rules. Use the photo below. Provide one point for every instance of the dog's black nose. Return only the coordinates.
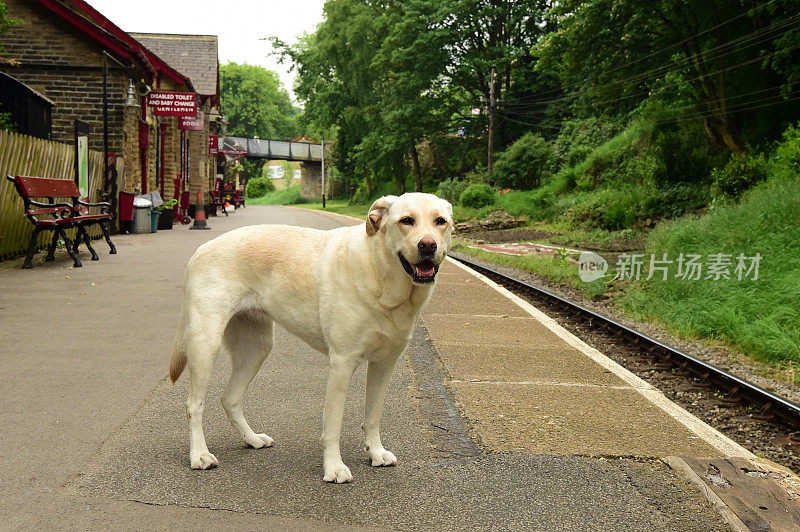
(427, 245)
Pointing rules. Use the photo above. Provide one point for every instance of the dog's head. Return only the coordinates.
(416, 228)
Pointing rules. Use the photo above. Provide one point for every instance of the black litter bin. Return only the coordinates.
(166, 219)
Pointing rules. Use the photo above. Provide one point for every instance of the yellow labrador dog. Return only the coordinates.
(352, 293)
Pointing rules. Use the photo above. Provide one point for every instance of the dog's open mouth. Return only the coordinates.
(423, 272)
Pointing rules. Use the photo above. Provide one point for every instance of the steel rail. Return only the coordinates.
(737, 388)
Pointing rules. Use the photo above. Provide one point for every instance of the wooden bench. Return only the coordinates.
(60, 216)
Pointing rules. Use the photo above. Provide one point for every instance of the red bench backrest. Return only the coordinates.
(42, 187)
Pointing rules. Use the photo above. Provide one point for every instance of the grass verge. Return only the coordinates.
(287, 196)
(339, 207)
(759, 316)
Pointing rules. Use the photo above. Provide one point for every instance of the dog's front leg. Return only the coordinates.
(378, 373)
(340, 372)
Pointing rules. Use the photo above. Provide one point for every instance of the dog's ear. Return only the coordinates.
(378, 212)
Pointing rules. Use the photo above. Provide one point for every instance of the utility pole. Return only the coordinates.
(492, 105)
(322, 164)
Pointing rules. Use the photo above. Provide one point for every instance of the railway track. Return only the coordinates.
(778, 418)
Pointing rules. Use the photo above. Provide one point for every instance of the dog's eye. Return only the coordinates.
(407, 220)
(440, 221)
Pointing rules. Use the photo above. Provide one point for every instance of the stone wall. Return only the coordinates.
(66, 66)
(311, 180)
(130, 180)
(172, 154)
(202, 166)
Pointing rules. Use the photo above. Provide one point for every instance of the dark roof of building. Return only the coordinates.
(18, 85)
(194, 56)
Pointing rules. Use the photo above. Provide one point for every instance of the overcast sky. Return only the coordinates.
(240, 24)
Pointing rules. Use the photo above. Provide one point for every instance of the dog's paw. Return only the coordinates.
(380, 457)
(259, 440)
(204, 460)
(338, 473)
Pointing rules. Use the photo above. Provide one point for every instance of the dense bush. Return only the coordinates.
(578, 138)
(682, 154)
(258, 186)
(451, 189)
(363, 197)
(675, 200)
(476, 175)
(624, 159)
(524, 164)
(478, 196)
(759, 316)
(739, 174)
(620, 212)
(577, 154)
(785, 163)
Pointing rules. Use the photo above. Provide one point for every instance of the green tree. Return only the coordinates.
(5, 22)
(524, 164)
(386, 76)
(336, 82)
(255, 102)
(6, 122)
(697, 56)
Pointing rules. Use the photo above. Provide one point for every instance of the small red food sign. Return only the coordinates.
(192, 123)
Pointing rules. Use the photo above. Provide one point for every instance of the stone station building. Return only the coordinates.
(60, 49)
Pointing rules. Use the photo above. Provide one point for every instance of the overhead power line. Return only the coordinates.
(734, 109)
(589, 106)
(670, 85)
(793, 23)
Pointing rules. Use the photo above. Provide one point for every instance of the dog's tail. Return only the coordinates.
(178, 360)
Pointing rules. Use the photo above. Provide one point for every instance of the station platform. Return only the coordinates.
(526, 384)
(500, 419)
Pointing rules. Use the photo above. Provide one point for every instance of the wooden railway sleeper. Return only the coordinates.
(765, 412)
(704, 381)
(733, 396)
(683, 370)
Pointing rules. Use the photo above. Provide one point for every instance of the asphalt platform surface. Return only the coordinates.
(94, 435)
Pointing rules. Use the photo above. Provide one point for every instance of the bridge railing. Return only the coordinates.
(279, 149)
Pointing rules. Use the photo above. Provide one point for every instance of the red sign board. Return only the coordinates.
(168, 103)
(213, 144)
(192, 123)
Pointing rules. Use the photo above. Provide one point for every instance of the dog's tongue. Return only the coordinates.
(424, 269)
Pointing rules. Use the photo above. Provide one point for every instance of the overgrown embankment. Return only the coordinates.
(740, 224)
(757, 311)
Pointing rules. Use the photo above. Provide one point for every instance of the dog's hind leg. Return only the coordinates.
(248, 339)
(202, 347)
